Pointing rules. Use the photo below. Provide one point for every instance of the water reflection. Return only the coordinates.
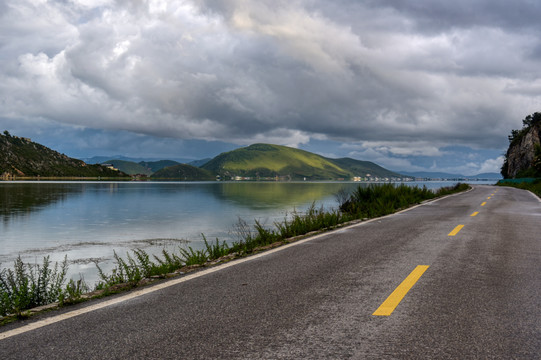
(278, 195)
(23, 198)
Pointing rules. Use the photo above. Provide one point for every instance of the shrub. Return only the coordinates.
(28, 286)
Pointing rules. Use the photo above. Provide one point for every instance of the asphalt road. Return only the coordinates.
(479, 296)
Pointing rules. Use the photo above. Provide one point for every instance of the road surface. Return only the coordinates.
(458, 278)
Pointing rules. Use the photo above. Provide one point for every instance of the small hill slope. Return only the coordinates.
(364, 168)
(154, 166)
(183, 172)
(129, 167)
(20, 157)
(141, 168)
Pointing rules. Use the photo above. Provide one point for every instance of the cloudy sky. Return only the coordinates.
(411, 85)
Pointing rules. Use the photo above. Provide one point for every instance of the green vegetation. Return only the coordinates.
(374, 201)
(141, 168)
(154, 166)
(260, 161)
(531, 184)
(361, 168)
(527, 123)
(23, 158)
(140, 266)
(199, 163)
(130, 167)
(183, 172)
(26, 287)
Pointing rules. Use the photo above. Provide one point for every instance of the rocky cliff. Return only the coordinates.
(523, 158)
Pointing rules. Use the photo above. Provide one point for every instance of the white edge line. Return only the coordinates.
(169, 283)
(535, 195)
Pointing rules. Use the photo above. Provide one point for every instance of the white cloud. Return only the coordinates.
(491, 165)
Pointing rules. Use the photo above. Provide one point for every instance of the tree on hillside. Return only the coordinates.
(527, 123)
(531, 120)
(516, 136)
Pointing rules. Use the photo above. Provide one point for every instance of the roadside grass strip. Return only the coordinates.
(456, 230)
(390, 304)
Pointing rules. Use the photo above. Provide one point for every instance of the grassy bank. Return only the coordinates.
(533, 185)
(28, 286)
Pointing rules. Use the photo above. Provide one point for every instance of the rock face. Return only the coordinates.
(523, 152)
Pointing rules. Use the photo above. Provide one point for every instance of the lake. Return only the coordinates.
(87, 221)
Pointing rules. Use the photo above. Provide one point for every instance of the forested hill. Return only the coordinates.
(21, 157)
(260, 161)
(183, 172)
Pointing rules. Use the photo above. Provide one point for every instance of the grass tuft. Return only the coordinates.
(534, 186)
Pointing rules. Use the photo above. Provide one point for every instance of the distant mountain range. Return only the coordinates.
(24, 158)
(443, 175)
(106, 159)
(256, 162)
(141, 168)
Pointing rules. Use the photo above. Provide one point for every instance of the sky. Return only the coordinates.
(411, 85)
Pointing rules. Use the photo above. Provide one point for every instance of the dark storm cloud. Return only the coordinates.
(401, 77)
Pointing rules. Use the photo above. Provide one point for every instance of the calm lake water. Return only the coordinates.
(87, 221)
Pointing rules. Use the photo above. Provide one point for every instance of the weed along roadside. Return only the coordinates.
(28, 289)
(530, 184)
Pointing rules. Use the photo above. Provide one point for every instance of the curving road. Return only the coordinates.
(458, 278)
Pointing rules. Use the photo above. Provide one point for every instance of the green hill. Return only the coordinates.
(154, 166)
(363, 168)
(23, 158)
(199, 163)
(129, 167)
(143, 167)
(270, 161)
(183, 172)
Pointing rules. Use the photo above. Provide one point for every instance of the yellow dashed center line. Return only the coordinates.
(483, 204)
(488, 198)
(456, 230)
(475, 213)
(398, 294)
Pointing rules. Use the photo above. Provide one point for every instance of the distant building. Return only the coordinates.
(110, 166)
